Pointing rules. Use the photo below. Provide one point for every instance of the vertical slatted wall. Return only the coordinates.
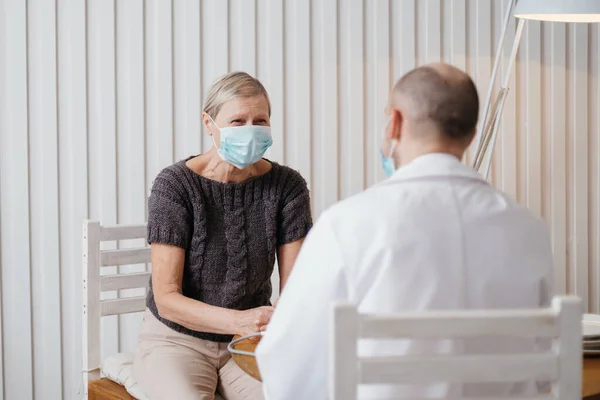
(97, 96)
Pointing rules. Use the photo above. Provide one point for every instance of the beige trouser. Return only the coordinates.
(170, 365)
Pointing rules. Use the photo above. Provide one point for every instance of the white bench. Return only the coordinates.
(561, 365)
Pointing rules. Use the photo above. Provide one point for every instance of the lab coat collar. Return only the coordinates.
(435, 165)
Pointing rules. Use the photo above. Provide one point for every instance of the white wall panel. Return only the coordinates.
(533, 121)
(159, 86)
(3, 141)
(556, 128)
(431, 30)
(97, 96)
(43, 184)
(325, 147)
(73, 179)
(130, 125)
(299, 128)
(102, 146)
(270, 68)
(381, 84)
(243, 35)
(594, 172)
(186, 75)
(480, 57)
(352, 97)
(580, 153)
(15, 201)
(404, 34)
(215, 47)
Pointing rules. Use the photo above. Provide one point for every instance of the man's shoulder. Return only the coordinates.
(374, 199)
(362, 210)
(371, 205)
(513, 206)
(355, 204)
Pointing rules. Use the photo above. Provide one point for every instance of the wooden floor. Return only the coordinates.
(104, 389)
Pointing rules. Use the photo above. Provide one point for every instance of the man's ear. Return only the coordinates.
(396, 123)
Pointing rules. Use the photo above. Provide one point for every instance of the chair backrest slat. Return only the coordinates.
(538, 397)
(123, 306)
(561, 365)
(125, 256)
(122, 232)
(518, 323)
(477, 368)
(124, 281)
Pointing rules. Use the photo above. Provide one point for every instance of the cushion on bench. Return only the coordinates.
(119, 369)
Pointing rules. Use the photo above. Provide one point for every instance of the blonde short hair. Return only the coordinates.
(231, 86)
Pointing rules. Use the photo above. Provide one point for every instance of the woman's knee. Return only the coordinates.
(173, 376)
(235, 384)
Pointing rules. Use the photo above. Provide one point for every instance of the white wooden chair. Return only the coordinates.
(94, 283)
(94, 259)
(562, 365)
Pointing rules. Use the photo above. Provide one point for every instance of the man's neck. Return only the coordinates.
(419, 150)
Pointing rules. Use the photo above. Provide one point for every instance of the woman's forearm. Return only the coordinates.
(286, 257)
(195, 315)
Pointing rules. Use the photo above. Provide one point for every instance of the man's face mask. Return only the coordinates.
(387, 162)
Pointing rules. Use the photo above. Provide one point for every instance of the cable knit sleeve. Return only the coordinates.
(169, 219)
(294, 219)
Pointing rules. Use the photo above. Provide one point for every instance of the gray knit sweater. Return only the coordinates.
(230, 232)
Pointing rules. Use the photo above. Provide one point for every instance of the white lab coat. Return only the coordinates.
(433, 236)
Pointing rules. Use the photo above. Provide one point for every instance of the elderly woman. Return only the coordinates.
(216, 223)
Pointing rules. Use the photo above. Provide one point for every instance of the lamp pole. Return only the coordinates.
(490, 123)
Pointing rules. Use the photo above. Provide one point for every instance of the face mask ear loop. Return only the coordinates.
(213, 136)
(393, 147)
(394, 141)
(213, 121)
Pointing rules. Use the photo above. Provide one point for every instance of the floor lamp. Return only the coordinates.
(583, 11)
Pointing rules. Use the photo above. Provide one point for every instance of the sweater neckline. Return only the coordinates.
(218, 184)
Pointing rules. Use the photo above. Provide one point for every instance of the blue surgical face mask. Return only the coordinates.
(387, 162)
(242, 146)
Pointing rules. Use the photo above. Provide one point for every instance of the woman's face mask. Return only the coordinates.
(242, 146)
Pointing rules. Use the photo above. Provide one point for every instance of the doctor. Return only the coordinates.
(434, 236)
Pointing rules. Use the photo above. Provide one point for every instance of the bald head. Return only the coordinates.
(439, 95)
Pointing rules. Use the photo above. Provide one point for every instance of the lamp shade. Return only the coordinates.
(559, 10)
